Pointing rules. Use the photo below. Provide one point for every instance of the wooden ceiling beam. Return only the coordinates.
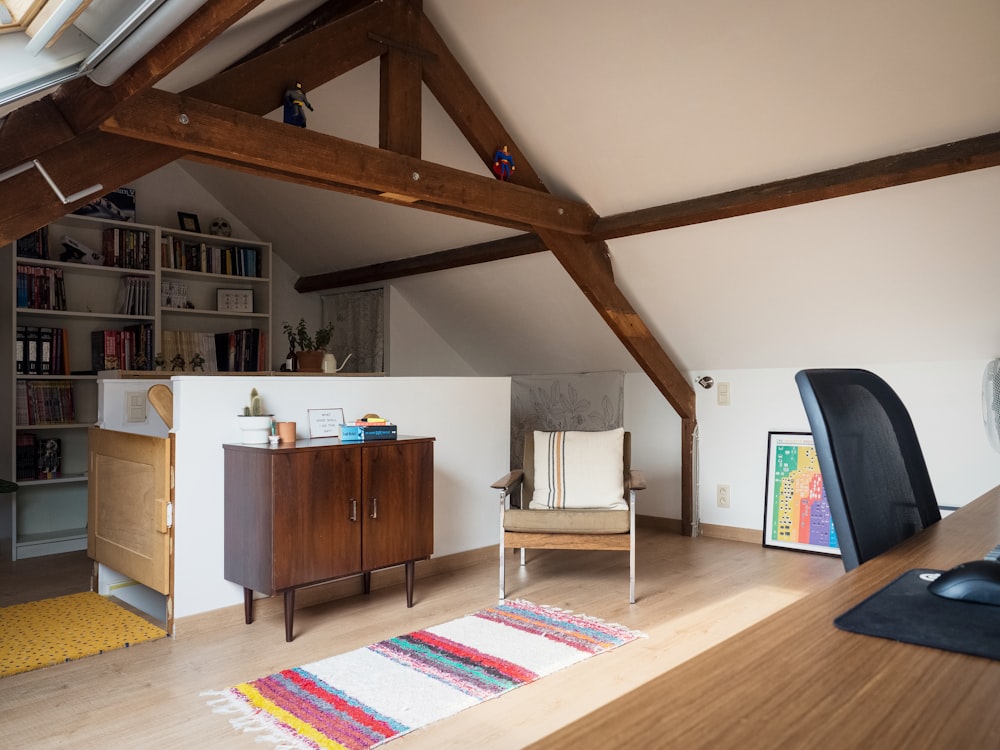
(84, 104)
(484, 252)
(913, 166)
(400, 88)
(39, 129)
(332, 11)
(970, 154)
(257, 85)
(199, 127)
(471, 113)
(90, 158)
(589, 265)
(78, 105)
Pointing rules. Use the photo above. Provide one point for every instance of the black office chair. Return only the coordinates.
(873, 470)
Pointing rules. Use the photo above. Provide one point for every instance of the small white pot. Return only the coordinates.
(255, 429)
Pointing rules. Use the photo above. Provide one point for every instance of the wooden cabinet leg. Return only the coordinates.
(289, 613)
(409, 583)
(367, 577)
(248, 605)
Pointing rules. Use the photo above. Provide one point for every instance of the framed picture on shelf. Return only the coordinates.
(325, 422)
(235, 300)
(796, 513)
(188, 222)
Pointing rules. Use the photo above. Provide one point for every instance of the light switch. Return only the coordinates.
(722, 394)
(135, 406)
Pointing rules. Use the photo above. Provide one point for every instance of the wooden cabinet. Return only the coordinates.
(321, 509)
(59, 300)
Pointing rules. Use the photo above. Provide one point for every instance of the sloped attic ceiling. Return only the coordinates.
(643, 103)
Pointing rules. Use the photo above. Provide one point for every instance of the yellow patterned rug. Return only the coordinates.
(52, 631)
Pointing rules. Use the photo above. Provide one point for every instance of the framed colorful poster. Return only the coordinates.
(796, 514)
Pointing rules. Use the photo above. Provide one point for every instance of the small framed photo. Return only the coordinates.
(325, 422)
(188, 222)
(235, 300)
(796, 513)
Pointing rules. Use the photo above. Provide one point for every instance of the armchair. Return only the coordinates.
(577, 492)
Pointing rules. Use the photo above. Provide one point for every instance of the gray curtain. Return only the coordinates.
(358, 329)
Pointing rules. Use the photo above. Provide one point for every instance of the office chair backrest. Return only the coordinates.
(874, 474)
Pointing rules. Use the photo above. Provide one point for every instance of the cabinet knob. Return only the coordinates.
(374, 513)
(354, 510)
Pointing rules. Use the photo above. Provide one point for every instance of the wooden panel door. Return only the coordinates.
(129, 505)
(317, 515)
(398, 487)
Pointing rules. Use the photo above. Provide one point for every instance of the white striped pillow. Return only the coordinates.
(579, 470)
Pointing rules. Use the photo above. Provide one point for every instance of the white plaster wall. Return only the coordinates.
(414, 347)
(943, 399)
(469, 417)
(656, 446)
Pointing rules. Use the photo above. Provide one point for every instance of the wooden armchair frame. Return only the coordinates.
(557, 539)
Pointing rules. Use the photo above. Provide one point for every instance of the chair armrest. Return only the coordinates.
(636, 480)
(508, 481)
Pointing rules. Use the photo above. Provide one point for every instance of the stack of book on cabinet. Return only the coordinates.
(368, 428)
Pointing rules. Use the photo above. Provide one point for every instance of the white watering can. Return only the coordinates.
(330, 362)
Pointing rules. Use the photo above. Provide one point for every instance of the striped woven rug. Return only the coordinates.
(52, 631)
(369, 696)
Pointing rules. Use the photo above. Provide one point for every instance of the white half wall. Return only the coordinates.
(469, 417)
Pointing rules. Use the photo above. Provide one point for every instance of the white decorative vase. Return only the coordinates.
(255, 429)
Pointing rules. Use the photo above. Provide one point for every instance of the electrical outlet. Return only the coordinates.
(722, 495)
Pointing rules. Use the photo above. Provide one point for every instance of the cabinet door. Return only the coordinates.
(398, 481)
(317, 516)
(129, 491)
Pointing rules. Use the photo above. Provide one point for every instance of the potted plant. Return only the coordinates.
(311, 348)
(255, 424)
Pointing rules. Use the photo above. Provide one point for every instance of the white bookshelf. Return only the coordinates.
(49, 515)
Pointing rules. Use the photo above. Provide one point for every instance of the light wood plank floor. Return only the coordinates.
(692, 593)
(44, 577)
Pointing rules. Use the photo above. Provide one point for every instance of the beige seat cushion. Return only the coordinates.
(567, 521)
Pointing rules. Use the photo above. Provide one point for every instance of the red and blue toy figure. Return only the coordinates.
(295, 103)
(503, 164)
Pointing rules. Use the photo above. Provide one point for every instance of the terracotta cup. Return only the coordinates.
(286, 432)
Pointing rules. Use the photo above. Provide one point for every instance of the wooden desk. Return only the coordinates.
(795, 681)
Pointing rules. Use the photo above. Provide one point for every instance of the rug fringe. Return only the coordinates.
(250, 720)
(586, 618)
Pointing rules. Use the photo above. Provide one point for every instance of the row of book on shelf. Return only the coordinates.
(44, 402)
(242, 350)
(121, 247)
(133, 295)
(37, 458)
(131, 348)
(230, 260)
(40, 287)
(41, 351)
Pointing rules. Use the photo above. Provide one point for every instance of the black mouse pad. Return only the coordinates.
(906, 611)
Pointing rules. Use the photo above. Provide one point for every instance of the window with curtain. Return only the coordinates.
(358, 329)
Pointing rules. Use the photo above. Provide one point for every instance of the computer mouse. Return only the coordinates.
(976, 581)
